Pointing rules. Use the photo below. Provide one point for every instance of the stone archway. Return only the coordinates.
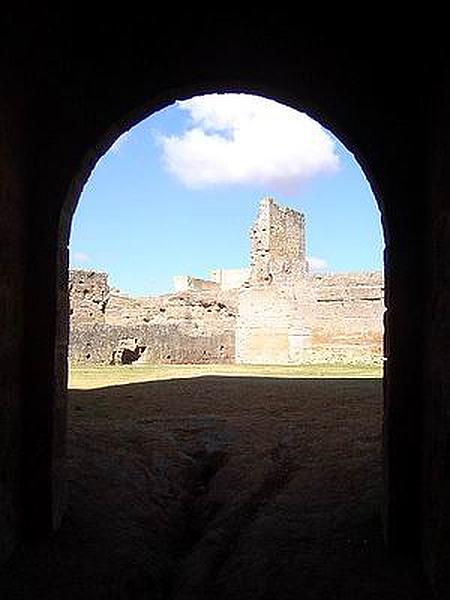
(92, 113)
(61, 324)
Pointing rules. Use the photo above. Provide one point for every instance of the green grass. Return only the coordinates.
(104, 375)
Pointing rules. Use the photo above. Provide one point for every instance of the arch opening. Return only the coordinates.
(191, 159)
(334, 293)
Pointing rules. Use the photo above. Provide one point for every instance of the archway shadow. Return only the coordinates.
(224, 487)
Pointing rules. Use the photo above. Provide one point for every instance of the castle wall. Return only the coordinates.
(322, 319)
(89, 294)
(273, 313)
(348, 318)
(190, 327)
(201, 311)
(159, 343)
(273, 324)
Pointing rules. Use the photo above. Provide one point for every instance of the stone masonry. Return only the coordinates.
(89, 294)
(278, 254)
(274, 312)
(275, 306)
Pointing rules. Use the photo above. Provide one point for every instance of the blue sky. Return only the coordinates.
(177, 194)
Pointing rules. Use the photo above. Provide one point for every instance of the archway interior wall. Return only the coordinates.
(436, 416)
(13, 189)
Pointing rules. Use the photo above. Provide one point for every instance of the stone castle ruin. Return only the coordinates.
(274, 312)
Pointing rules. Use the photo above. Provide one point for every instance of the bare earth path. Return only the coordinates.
(249, 488)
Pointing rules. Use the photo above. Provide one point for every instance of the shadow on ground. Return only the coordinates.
(220, 488)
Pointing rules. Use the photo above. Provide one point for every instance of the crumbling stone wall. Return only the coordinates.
(89, 294)
(189, 327)
(324, 319)
(204, 311)
(273, 325)
(280, 314)
(158, 343)
(348, 317)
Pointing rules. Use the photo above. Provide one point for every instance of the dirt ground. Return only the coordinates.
(224, 488)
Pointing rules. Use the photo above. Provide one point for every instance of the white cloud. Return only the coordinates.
(317, 264)
(243, 139)
(118, 144)
(79, 258)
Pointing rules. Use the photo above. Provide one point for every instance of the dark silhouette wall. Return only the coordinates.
(72, 83)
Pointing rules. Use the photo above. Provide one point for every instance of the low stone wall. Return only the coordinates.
(336, 318)
(189, 327)
(327, 318)
(161, 343)
(348, 318)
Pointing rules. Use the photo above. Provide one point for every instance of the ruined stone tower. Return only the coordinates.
(277, 245)
(275, 307)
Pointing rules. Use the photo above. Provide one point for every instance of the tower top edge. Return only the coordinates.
(268, 201)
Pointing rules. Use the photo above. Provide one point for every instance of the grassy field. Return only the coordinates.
(104, 375)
